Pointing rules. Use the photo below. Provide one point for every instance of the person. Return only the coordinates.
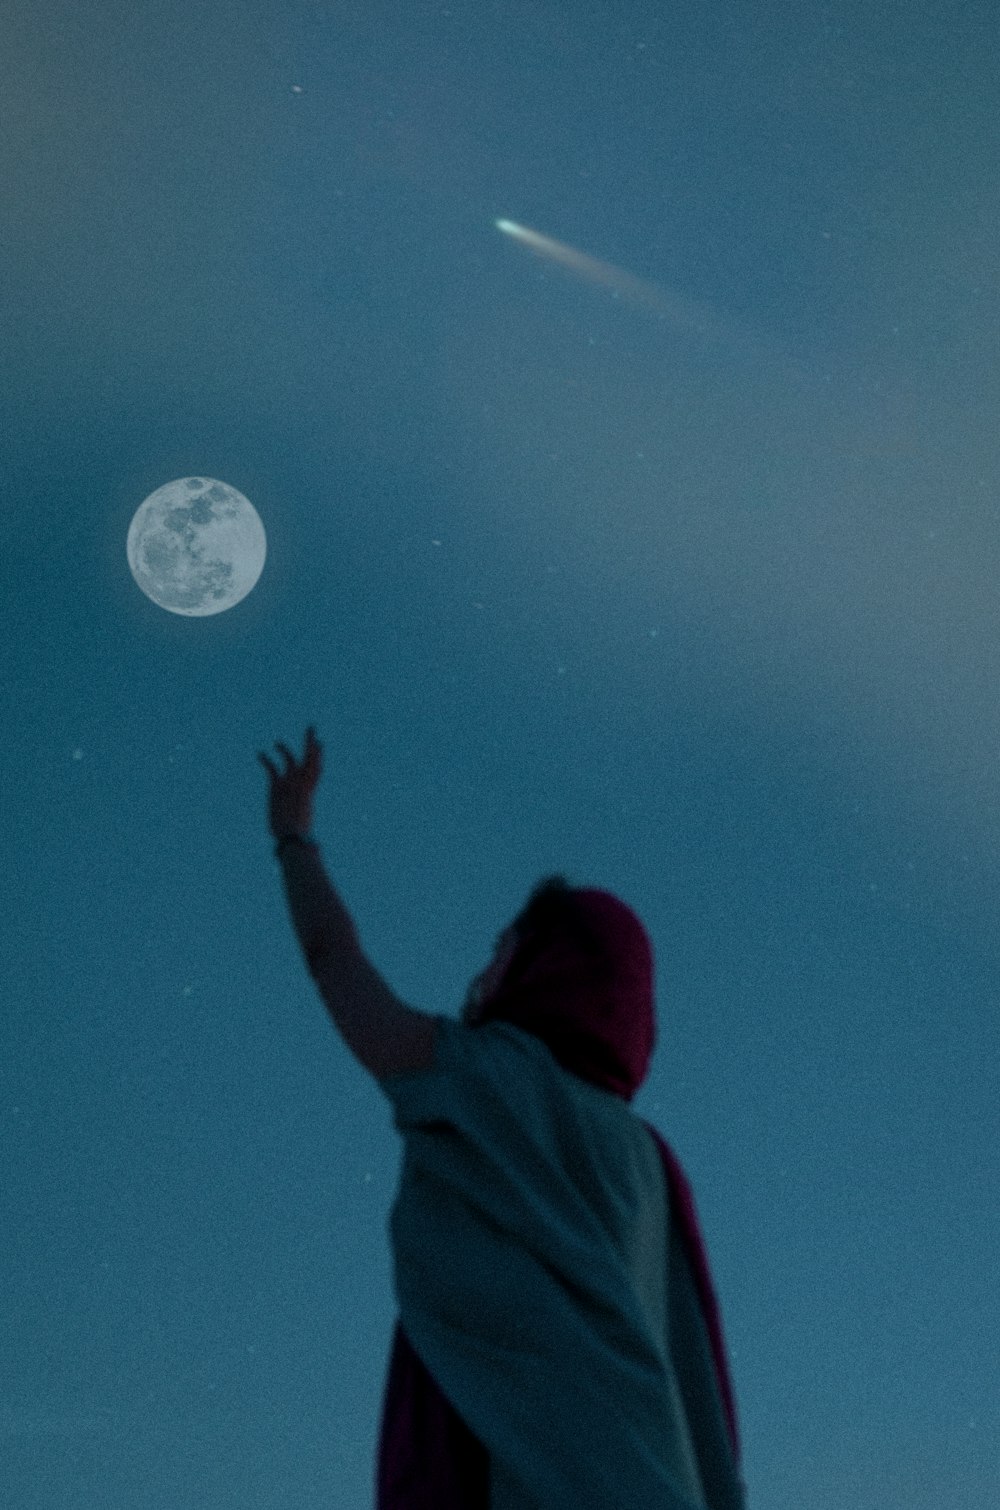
(559, 1344)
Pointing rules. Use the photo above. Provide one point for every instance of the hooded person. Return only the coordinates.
(559, 1345)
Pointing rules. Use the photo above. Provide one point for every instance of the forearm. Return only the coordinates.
(383, 1033)
(322, 923)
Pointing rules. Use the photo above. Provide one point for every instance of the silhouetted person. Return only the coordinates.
(559, 1345)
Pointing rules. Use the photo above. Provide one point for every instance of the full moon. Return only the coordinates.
(196, 546)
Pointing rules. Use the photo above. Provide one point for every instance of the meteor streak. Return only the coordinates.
(673, 307)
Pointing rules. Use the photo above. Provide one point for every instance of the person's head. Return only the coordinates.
(545, 905)
(575, 968)
(483, 985)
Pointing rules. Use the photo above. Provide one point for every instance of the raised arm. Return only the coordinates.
(385, 1035)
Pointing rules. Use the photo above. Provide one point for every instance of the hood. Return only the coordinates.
(586, 991)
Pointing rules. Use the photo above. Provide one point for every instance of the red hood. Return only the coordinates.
(596, 1014)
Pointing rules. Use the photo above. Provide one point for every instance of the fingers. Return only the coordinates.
(272, 769)
(311, 759)
(313, 753)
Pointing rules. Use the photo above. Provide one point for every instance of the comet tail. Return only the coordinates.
(674, 307)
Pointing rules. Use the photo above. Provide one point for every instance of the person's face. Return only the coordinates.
(485, 983)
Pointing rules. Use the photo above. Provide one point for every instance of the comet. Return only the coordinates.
(622, 285)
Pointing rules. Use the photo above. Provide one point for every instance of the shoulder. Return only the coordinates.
(403, 1043)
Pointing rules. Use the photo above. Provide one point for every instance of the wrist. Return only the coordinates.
(292, 837)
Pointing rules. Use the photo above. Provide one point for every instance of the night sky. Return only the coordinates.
(702, 612)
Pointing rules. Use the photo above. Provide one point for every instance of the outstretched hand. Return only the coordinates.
(290, 797)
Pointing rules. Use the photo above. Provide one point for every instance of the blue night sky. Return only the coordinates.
(702, 611)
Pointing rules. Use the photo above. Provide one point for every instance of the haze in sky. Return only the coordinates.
(565, 586)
